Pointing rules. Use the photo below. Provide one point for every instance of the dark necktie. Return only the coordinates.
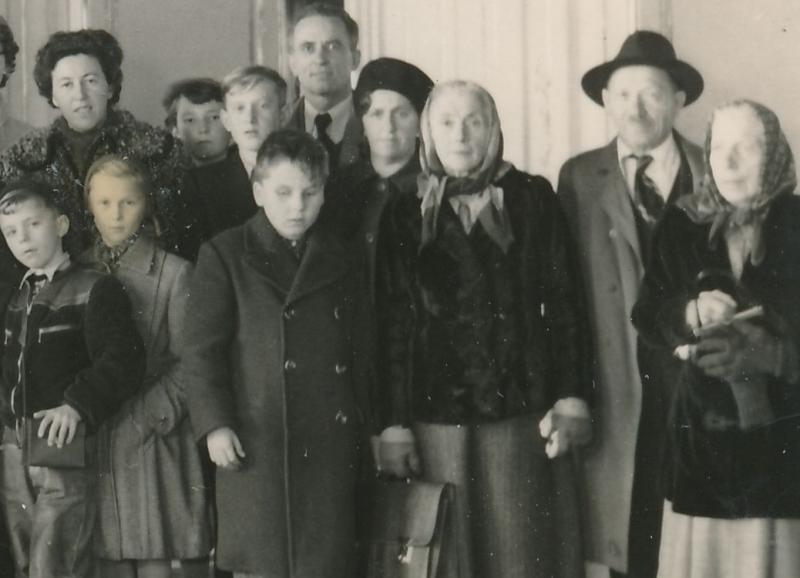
(647, 196)
(321, 123)
(35, 284)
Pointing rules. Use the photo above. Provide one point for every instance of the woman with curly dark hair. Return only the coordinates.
(11, 129)
(79, 73)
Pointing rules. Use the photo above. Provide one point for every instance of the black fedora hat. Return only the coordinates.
(651, 49)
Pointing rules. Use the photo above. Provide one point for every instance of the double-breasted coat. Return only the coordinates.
(151, 500)
(595, 197)
(273, 353)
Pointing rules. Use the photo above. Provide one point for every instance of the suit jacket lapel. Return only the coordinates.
(615, 199)
(297, 119)
(350, 150)
(324, 262)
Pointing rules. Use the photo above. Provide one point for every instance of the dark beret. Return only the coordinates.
(396, 75)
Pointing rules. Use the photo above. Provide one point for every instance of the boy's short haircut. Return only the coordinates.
(328, 11)
(23, 190)
(246, 77)
(297, 147)
(195, 90)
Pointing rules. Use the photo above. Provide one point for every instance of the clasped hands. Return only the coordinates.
(732, 350)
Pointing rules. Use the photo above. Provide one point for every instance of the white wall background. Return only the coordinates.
(743, 49)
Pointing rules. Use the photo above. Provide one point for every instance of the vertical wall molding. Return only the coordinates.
(530, 54)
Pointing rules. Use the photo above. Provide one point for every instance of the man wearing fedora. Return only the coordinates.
(613, 197)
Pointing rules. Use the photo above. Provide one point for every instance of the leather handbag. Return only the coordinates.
(403, 528)
(72, 455)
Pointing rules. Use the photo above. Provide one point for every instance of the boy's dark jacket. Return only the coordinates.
(273, 351)
(81, 347)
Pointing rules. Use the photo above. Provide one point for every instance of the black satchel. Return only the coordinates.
(403, 528)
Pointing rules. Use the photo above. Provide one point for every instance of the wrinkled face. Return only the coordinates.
(251, 114)
(737, 154)
(290, 199)
(200, 128)
(460, 128)
(391, 125)
(33, 232)
(321, 57)
(118, 206)
(80, 91)
(642, 102)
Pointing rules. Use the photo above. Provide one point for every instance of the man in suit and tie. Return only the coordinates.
(613, 197)
(323, 52)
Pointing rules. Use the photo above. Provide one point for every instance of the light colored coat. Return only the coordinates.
(595, 197)
(151, 499)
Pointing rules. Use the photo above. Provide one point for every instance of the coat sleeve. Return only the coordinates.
(162, 405)
(209, 332)
(116, 353)
(564, 302)
(396, 312)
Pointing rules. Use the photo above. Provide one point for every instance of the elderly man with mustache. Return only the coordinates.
(614, 197)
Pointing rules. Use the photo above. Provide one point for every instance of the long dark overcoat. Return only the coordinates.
(273, 353)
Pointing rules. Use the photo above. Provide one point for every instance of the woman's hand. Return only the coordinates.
(62, 422)
(225, 449)
(715, 307)
(738, 351)
(397, 453)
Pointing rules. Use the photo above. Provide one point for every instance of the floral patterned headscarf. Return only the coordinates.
(778, 178)
(435, 184)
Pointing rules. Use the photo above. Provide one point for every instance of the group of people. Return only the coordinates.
(215, 330)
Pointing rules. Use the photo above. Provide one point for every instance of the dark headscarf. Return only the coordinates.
(777, 178)
(435, 185)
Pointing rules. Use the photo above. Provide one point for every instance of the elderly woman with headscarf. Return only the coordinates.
(80, 74)
(723, 292)
(482, 332)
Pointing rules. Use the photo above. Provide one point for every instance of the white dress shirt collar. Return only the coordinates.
(62, 263)
(340, 116)
(662, 171)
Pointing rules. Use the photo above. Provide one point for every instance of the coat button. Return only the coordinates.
(289, 314)
(337, 313)
(382, 186)
(340, 368)
(612, 233)
(289, 365)
(370, 237)
(341, 417)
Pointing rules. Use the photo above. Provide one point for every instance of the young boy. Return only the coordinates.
(193, 110)
(71, 355)
(277, 383)
(254, 97)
